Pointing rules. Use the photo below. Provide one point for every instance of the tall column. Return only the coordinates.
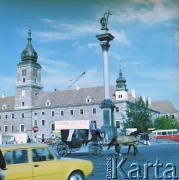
(107, 105)
(105, 46)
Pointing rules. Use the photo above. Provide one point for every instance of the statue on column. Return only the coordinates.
(104, 21)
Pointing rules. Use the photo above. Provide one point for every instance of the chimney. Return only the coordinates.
(133, 93)
(77, 87)
(149, 101)
(143, 98)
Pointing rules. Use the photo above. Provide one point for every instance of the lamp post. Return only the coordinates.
(107, 105)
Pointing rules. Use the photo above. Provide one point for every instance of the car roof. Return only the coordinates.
(26, 146)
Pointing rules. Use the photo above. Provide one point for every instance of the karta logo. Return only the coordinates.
(115, 170)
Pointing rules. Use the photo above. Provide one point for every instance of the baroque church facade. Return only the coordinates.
(31, 106)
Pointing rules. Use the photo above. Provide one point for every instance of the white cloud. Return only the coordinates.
(93, 45)
(149, 12)
(64, 31)
(63, 80)
(120, 37)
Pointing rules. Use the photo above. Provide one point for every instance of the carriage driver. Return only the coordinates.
(94, 130)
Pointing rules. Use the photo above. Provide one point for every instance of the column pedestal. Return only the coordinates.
(108, 118)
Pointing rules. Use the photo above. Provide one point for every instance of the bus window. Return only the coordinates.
(175, 132)
(158, 133)
(169, 132)
(164, 133)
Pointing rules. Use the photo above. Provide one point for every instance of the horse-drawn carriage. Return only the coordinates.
(75, 134)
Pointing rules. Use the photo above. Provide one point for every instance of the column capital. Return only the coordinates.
(105, 46)
(107, 103)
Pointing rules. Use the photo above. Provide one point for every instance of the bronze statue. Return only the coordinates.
(104, 21)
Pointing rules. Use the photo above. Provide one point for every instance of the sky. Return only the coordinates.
(145, 44)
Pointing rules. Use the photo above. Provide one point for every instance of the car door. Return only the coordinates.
(45, 165)
(17, 165)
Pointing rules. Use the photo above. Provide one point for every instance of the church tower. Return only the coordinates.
(28, 84)
(121, 91)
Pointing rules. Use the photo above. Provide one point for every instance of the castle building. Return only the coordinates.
(31, 106)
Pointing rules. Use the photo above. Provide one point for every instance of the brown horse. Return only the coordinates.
(121, 140)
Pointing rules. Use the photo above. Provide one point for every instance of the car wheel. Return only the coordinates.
(76, 176)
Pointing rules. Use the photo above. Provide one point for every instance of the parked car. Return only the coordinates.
(38, 162)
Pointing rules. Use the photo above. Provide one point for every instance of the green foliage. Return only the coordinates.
(138, 115)
(166, 123)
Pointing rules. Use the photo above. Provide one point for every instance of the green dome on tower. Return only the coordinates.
(29, 53)
(121, 82)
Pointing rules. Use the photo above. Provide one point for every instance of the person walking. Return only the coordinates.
(28, 140)
(2, 166)
(146, 138)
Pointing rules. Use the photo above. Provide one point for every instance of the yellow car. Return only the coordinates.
(38, 162)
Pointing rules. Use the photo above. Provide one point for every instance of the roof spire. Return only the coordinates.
(29, 32)
(120, 69)
(29, 53)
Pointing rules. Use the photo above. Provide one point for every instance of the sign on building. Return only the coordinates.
(76, 124)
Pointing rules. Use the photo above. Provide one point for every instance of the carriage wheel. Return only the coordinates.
(54, 145)
(95, 149)
(63, 149)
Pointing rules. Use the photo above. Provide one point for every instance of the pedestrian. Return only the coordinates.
(146, 138)
(35, 140)
(28, 140)
(43, 139)
(2, 166)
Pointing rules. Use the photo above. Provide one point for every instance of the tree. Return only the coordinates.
(166, 123)
(138, 115)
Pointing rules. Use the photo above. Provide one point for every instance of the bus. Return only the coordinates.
(172, 134)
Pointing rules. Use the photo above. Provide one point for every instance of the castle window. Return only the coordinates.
(22, 115)
(35, 114)
(81, 111)
(24, 72)
(52, 127)
(23, 93)
(6, 116)
(62, 113)
(5, 128)
(12, 116)
(120, 96)
(23, 79)
(173, 117)
(35, 122)
(88, 99)
(0, 116)
(48, 102)
(71, 112)
(53, 113)
(43, 113)
(22, 128)
(43, 122)
(117, 124)
(4, 106)
(94, 110)
(23, 103)
(12, 128)
(117, 109)
(35, 73)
